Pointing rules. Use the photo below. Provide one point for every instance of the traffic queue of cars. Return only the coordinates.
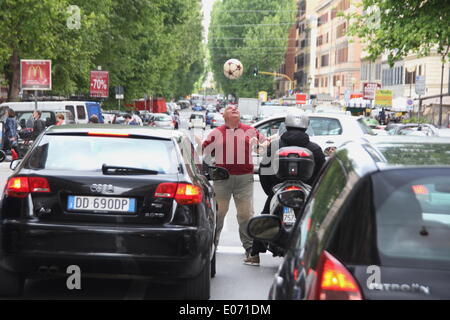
(376, 224)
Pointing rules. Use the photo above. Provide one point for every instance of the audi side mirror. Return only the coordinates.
(217, 174)
(14, 164)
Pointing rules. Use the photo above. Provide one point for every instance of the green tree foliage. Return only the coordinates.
(254, 32)
(38, 29)
(399, 28)
(149, 47)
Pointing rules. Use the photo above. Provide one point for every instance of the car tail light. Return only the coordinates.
(420, 189)
(188, 194)
(38, 184)
(183, 193)
(20, 187)
(291, 188)
(335, 281)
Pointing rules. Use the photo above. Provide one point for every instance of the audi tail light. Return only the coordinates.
(183, 193)
(20, 187)
(335, 282)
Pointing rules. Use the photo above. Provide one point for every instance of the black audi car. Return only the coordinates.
(375, 226)
(113, 201)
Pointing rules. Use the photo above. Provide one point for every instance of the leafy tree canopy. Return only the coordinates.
(254, 32)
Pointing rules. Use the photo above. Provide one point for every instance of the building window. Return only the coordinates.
(410, 77)
(378, 71)
(323, 19)
(319, 41)
(341, 55)
(324, 60)
(341, 29)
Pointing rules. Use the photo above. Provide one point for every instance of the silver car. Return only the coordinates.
(163, 121)
(217, 120)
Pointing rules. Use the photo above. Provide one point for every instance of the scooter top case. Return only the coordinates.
(294, 163)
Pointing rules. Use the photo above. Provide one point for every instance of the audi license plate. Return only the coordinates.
(288, 216)
(101, 204)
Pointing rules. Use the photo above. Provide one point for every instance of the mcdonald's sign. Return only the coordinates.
(36, 74)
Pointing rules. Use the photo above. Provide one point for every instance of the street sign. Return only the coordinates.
(369, 89)
(36, 74)
(300, 99)
(99, 84)
(120, 93)
(420, 85)
(383, 98)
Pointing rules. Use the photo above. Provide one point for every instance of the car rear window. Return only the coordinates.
(89, 153)
(413, 217)
(197, 116)
(324, 127)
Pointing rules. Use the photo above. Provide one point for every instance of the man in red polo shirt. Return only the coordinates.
(231, 146)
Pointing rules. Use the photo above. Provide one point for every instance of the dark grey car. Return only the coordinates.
(376, 226)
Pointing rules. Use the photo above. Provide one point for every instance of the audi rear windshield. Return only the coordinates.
(413, 217)
(90, 153)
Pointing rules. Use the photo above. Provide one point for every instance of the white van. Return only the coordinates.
(81, 110)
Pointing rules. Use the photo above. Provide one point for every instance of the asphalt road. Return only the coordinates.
(233, 281)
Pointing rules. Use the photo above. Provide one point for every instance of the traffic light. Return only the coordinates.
(255, 72)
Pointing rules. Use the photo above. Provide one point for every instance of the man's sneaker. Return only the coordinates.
(251, 260)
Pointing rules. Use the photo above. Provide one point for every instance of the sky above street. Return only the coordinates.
(207, 8)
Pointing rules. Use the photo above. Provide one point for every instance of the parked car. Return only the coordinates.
(414, 129)
(75, 199)
(49, 116)
(81, 110)
(198, 108)
(209, 117)
(217, 120)
(376, 225)
(197, 120)
(163, 121)
(248, 119)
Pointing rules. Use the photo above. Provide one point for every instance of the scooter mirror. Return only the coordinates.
(292, 198)
(264, 227)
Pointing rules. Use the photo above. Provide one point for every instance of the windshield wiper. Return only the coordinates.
(115, 170)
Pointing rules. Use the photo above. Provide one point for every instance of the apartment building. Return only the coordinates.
(336, 67)
(306, 47)
(283, 85)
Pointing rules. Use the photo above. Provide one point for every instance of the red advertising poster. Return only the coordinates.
(369, 89)
(99, 84)
(36, 74)
(300, 99)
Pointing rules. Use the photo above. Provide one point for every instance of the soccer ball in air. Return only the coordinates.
(233, 69)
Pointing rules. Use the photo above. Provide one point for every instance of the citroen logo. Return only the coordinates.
(99, 188)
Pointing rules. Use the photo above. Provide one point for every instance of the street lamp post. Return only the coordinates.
(411, 69)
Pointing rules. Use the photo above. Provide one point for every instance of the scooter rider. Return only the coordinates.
(295, 135)
(296, 124)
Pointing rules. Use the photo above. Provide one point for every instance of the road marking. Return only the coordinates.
(228, 249)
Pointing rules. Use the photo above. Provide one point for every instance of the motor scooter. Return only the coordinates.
(295, 166)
